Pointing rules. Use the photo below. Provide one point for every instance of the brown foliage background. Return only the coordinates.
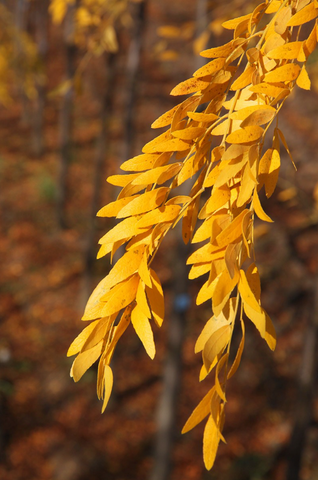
(51, 429)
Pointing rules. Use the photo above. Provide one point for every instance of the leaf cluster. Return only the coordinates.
(216, 138)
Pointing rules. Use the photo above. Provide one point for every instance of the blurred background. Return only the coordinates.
(80, 84)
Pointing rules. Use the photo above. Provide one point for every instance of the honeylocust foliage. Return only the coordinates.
(216, 138)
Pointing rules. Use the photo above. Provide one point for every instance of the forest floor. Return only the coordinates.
(51, 428)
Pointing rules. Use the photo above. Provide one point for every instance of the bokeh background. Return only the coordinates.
(80, 84)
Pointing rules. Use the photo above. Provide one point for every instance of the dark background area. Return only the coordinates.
(51, 428)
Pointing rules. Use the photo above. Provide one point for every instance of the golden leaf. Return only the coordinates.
(85, 360)
(247, 294)
(211, 439)
(156, 299)
(120, 296)
(206, 292)
(239, 352)
(267, 89)
(216, 344)
(199, 413)
(288, 51)
(189, 133)
(306, 14)
(303, 81)
(210, 68)
(113, 208)
(259, 209)
(232, 24)
(189, 86)
(141, 300)
(244, 79)
(143, 203)
(203, 117)
(245, 135)
(143, 329)
(78, 342)
(140, 163)
(121, 180)
(108, 385)
(285, 73)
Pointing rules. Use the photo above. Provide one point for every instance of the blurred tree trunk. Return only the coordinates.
(167, 408)
(168, 402)
(306, 387)
(21, 13)
(41, 38)
(133, 63)
(100, 156)
(65, 118)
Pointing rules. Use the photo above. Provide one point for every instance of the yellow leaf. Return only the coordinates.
(189, 86)
(248, 111)
(144, 203)
(143, 329)
(267, 89)
(285, 73)
(210, 68)
(259, 209)
(206, 291)
(239, 352)
(211, 439)
(126, 266)
(281, 19)
(203, 117)
(288, 51)
(273, 6)
(232, 232)
(112, 209)
(166, 213)
(273, 173)
(169, 145)
(308, 13)
(144, 272)
(140, 163)
(199, 269)
(223, 290)
(108, 385)
(223, 51)
(247, 295)
(77, 344)
(211, 326)
(189, 133)
(311, 42)
(282, 137)
(157, 175)
(141, 300)
(121, 180)
(232, 24)
(85, 360)
(99, 333)
(204, 231)
(120, 296)
(216, 344)
(122, 231)
(218, 386)
(220, 196)
(156, 299)
(259, 117)
(165, 119)
(244, 79)
(245, 135)
(303, 81)
(199, 413)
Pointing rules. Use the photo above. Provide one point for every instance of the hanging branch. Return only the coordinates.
(217, 136)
